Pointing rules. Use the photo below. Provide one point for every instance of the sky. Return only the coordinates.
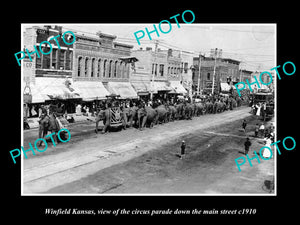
(252, 44)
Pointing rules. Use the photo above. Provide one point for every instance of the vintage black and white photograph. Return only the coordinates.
(148, 109)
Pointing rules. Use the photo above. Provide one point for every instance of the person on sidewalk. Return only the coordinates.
(247, 145)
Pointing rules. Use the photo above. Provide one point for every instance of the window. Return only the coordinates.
(38, 62)
(46, 60)
(79, 66)
(168, 70)
(93, 67)
(110, 68)
(121, 69)
(185, 67)
(161, 69)
(115, 69)
(54, 54)
(125, 70)
(99, 68)
(104, 67)
(61, 55)
(155, 70)
(208, 76)
(152, 68)
(86, 67)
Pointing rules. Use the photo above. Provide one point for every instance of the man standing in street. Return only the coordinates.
(247, 145)
(244, 125)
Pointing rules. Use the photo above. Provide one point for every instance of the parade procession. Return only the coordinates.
(123, 102)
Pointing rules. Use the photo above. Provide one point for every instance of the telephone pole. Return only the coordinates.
(213, 81)
(152, 80)
(199, 68)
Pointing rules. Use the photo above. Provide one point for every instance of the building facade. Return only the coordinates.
(226, 73)
(47, 74)
(160, 71)
(99, 65)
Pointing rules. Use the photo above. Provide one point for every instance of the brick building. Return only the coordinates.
(99, 66)
(226, 73)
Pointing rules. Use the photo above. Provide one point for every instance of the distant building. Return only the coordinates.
(226, 73)
(265, 78)
(245, 75)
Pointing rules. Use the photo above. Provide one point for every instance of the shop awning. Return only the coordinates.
(91, 90)
(46, 88)
(141, 88)
(159, 86)
(178, 88)
(225, 87)
(124, 89)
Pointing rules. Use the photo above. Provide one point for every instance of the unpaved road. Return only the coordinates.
(143, 162)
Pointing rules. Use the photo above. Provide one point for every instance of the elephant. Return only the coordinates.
(162, 114)
(209, 107)
(232, 103)
(199, 109)
(172, 113)
(221, 107)
(146, 115)
(188, 111)
(130, 115)
(179, 111)
(105, 116)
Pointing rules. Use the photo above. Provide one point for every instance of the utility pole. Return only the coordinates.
(152, 80)
(213, 82)
(199, 68)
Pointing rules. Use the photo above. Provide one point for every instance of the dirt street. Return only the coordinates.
(147, 162)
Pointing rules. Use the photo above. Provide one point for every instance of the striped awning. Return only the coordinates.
(123, 89)
(91, 90)
(46, 88)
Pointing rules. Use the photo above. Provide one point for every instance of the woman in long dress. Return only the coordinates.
(258, 110)
(266, 152)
